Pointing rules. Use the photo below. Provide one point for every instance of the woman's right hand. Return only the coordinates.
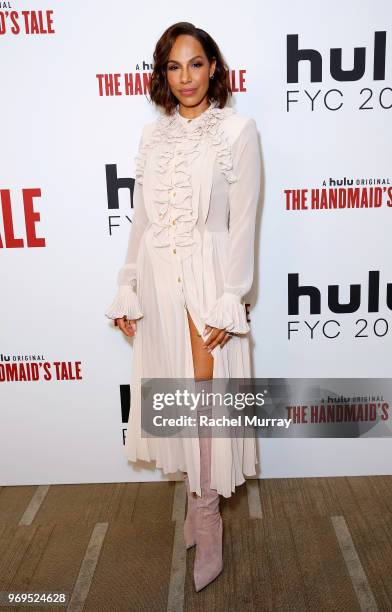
(127, 326)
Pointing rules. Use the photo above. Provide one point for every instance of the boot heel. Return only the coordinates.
(190, 520)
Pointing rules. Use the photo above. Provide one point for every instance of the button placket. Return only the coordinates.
(172, 191)
(173, 222)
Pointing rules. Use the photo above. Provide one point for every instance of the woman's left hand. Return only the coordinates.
(217, 336)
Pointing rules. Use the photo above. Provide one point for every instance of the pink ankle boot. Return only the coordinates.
(209, 525)
(190, 520)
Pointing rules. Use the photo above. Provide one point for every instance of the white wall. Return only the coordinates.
(57, 135)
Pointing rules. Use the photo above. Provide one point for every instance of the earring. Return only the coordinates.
(211, 76)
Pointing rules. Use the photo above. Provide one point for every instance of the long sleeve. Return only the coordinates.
(126, 302)
(228, 311)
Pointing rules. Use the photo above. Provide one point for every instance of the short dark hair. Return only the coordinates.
(160, 94)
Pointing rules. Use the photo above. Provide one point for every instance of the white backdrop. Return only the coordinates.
(60, 131)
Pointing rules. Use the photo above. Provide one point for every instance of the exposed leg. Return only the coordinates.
(203, 361)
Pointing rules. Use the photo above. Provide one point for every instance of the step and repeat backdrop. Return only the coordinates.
(74, 77)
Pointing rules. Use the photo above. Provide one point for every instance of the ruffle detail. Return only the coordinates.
(125, 304)
(228, 313)
(179, 146)
(140, 159)
(140, 162)
(218, 139)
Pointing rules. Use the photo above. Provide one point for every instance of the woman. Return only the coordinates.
(189, 262)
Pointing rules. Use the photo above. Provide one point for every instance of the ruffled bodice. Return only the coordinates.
(195, 199)
(177, 143)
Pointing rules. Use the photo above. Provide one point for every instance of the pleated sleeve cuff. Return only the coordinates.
(125, 304)
(228, 313)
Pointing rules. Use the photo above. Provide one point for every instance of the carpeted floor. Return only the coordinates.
(317, 544)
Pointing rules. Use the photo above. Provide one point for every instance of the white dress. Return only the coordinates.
(191, 245)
